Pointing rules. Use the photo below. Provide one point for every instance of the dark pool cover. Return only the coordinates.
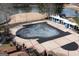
(71, 46)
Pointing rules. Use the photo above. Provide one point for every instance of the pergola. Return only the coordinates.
(66, 22)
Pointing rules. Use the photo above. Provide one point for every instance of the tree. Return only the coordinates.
(58, 8)
(42, 7)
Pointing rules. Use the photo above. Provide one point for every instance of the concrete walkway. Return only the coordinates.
(52, 45)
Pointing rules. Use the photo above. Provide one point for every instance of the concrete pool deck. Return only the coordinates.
(51, 45)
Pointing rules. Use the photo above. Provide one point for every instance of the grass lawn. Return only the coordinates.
(5, 46)
(76, 20)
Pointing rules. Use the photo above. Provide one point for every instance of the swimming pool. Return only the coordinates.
(39, 30)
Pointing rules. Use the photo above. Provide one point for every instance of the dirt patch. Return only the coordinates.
(27, 17)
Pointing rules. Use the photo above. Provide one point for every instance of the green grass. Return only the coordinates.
(5, 45)
(76, 20)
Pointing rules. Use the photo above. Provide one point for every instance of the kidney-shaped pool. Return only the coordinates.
(39, 30)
